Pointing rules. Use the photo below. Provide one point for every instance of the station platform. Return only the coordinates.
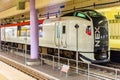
(47, 70)
(6, 71)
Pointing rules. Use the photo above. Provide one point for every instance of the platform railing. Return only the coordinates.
(86, 68)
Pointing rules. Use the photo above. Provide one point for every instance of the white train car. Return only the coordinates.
(86, 30)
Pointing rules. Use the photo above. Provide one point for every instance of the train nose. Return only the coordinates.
(101, 55)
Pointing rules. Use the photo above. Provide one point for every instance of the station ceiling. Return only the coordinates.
(9, 6)
(6, 4)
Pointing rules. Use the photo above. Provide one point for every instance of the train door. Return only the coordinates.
(61, 34)
(57, 34)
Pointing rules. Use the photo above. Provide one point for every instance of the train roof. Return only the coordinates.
(89, 12)
(86, 10)
(82, 10)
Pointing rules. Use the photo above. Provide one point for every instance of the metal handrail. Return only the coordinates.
(42, 58)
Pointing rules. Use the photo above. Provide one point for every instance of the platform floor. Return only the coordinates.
(48, 70)
(9, 73)
(2, 77)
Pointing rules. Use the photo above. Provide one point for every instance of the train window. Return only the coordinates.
(64, 29)
(82, 16)
(93, 13)
(18, 30)
(10, 31)
(28, 32)
(23, 31)
(40, 30)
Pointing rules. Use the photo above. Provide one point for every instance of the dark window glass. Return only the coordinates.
(19, 31)
(68, 14)
(64, 29)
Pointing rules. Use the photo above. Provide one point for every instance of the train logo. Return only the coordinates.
(97, 36)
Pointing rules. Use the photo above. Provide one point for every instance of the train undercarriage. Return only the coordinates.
(10, 46)
(21, 48)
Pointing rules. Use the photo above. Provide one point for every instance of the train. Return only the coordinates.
(83, 31)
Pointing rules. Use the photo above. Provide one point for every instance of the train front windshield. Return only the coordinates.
(92, 13)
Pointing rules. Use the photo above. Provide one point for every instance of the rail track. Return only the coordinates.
(113, 65)
(105, 72)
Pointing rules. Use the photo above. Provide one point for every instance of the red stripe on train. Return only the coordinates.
(21, 24)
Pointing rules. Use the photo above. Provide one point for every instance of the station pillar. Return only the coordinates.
(34, 38)
(0, 38)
